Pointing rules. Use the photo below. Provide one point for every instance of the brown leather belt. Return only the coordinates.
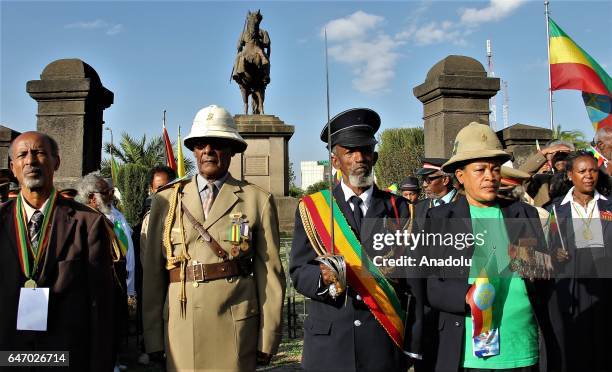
(204, 272)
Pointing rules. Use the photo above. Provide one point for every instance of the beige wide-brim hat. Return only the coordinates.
(475, 141)
(215, 122)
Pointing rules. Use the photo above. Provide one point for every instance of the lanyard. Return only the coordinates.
(24, 244)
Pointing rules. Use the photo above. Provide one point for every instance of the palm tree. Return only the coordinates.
(135, 159)
(573, 136)
(138, 151)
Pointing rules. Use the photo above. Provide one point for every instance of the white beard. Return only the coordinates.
(104, 208)
(361, 180)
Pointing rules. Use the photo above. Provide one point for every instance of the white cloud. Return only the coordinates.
(358, 41)
(496, 10)
(438, 32)
(114, 30)
(354, 26)
(98, 24)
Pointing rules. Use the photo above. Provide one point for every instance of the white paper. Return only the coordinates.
(33, 309)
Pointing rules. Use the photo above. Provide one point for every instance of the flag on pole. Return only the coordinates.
(180, 167)
(169, 153)
(573, 68)
(114, 170)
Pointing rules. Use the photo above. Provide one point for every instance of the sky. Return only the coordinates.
(178, 56)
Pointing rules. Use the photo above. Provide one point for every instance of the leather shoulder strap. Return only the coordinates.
(212, 243)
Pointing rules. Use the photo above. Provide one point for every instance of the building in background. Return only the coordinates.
(313, 172)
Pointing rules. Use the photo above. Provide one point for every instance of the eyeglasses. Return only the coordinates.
(429, 179)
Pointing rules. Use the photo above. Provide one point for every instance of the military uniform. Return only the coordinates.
(226, 309)
(341, 333)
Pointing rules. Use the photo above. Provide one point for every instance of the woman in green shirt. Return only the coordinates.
(490, 318)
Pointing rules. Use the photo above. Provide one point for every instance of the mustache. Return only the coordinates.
(31, 169)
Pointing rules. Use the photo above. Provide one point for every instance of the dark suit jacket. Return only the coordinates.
(348, 337)
(446, 290)
(78, 272)
(583, 290)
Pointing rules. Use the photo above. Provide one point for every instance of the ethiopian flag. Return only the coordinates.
(573, 68)
(180, 166)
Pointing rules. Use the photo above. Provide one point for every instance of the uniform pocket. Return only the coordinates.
(317, 326)
(246, 325)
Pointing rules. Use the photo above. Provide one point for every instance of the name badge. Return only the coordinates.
(33, 309)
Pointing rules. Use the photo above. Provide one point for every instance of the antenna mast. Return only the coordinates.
(491, 73)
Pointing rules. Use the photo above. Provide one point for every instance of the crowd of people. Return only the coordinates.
(202, 271)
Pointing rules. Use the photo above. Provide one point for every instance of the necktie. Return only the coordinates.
(357, 213)
(441, 202)
(209, 199)
(34, 229)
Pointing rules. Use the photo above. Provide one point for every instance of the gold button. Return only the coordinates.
(195, 284)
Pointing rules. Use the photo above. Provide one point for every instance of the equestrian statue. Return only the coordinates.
(252, 66)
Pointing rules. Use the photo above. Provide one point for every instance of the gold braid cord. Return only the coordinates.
(171, 260)
(313, 237)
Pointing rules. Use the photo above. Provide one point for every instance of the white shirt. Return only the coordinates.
(365, 197)
(581, 222)
(30, 210)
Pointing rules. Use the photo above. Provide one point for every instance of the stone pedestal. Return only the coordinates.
(455, 93)
(71, 101)
(266, 159)
(520, 140)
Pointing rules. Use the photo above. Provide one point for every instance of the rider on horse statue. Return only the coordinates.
(252, 66)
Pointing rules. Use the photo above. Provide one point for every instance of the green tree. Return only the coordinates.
(133, 183)
(321, 185)
(576, 137)
(400, 153)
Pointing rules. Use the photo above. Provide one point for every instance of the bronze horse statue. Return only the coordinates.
(252, 66)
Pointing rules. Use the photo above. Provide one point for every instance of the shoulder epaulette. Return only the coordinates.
(171, 184)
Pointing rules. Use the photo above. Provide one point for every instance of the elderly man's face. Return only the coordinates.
(481, 179)
(356, 164)
(213, 156)
(32, 162)
(435, 185)
(102, 198)
(605, 145)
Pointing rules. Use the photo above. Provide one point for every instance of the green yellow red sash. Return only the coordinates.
(24, 246)
(362, 274)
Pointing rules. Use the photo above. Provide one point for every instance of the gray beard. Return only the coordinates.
(361, 180)
(33, 183)
(104, 208)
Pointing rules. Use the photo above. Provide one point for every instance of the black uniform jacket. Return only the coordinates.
(446, 290)
(341, 335)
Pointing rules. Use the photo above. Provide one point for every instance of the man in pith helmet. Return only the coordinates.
(213, 279)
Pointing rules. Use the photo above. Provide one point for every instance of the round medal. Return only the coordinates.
(30, 284)
(587, 234)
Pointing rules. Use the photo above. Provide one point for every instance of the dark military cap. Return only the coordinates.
(431, 165)
(410, 183)
(353, 128)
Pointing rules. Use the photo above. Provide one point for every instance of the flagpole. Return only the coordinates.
(329, 154)
(550, 99)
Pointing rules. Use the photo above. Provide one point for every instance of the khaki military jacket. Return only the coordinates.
(226, 321)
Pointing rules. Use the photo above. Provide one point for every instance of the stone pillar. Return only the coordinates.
(520, 140)
(266, 159)
(455, 93)
(7, 135)
(71, 101)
